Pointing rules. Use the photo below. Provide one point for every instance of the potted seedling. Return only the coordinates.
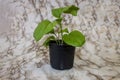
(61, 43)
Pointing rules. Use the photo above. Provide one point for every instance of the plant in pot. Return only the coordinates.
(61, 42)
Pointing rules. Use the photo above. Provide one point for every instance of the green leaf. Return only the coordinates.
(75, 38)
(43, 28)
(59, 20)
(57, 12)
(50, 27)
(46, 42)
(65, 30)
(51, 32)
(71, 10)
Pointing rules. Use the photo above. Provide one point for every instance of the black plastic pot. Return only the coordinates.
(61, 56)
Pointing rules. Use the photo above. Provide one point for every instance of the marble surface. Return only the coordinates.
(21, 58)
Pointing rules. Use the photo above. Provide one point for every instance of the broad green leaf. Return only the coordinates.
(39, 30)
(49, 28)
(75, 38)
(57, 12)
(43, 28)
(46, 42)
(71, 10)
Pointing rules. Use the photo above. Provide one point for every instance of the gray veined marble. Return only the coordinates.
(23, 59)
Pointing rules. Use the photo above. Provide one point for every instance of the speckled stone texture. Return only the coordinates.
(21, 58)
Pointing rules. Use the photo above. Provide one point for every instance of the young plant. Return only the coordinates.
(46, 27)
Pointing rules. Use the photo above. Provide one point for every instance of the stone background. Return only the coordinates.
(21, 58)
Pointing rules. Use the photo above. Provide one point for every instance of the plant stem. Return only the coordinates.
(61, 32)
(56, 38)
